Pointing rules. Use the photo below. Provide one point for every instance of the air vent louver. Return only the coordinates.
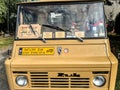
(44, 80)
(100, 72)
(79, 83)
(59, 82)
(39, 79)
(19, 72)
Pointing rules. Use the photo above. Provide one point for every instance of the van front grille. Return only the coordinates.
(48, 80)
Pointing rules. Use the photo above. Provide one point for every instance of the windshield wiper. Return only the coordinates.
(79, 38)
(55, 27)
(32, 30)
(60, 29)
(43, 39)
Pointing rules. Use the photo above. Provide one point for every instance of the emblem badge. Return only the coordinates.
(59, 50)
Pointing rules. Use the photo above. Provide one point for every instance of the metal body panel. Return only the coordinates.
(85, 65)
(38, 1)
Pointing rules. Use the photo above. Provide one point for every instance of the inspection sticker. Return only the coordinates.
(36, 51)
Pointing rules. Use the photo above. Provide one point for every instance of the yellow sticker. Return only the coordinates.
(47, 34)
(36, 51)
(60, 34)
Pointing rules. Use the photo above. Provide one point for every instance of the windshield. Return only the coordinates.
(61, 20)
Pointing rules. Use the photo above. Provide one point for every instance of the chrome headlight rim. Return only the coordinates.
(99, 81)
(22, 80)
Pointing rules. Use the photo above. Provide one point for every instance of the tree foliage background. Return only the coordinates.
(3, 11)
(8, 10)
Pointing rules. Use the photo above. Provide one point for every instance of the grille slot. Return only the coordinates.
(19, 72)
(44, 80)
(39, 79)
(79, 83)
(59, 82)
(100, 72)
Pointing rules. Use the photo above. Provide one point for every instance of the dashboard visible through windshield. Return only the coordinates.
(61, 20)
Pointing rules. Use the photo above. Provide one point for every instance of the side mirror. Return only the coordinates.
(9, 52)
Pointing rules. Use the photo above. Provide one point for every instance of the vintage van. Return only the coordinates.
(61, 45)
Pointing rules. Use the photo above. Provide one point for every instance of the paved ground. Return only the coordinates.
(3, 78)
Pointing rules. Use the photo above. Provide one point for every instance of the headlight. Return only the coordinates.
(99, 81)
(21, 80)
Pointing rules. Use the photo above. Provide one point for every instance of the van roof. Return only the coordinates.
(40, 1)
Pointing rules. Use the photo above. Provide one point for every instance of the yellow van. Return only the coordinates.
(61, 45)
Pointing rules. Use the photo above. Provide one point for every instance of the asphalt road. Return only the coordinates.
(3, 78)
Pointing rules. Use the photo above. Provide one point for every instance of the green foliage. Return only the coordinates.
(3, 11)
(12, 5)
(12, 14)
(8, 11)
